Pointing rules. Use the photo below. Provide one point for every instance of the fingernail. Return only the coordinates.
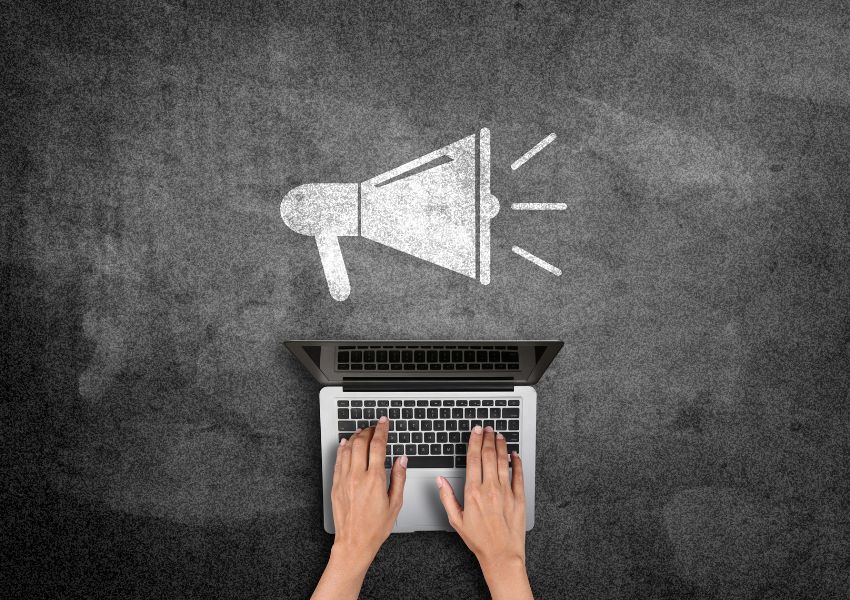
(358, 430)
(343, 441)
(488, 429)
(500, 436)
(382, 420)
(439, 482)
(477, 429)
(402, 460)
(514, 453)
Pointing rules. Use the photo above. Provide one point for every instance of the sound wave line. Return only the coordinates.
(537, 261)
(540, 145)
(539, 206)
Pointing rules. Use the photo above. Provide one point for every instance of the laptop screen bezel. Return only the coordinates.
(303, 349)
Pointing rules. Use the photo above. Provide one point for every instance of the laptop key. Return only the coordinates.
(451, 425)
(368, 413)
(513, 448)
(410, 450)
(381, 412)
(439, 425)
(475, 422)
(464, 425)
(342, 402)
(395, 413)
(413, 425)
(486, 403)
(510, 413)
(445, 413)
(398, 449)
(342, 413)
(430, 437)
(400, 425)
(345, 435)
(511, 436)
(513, 402)
(501, 402)
(457, 413)
(395, 402)
(469, 413)
(421, 403)
(460, 449)
(419, 413)
(422, 449)
(489, 423)
(388, 463)
(410, 402)
(369, 403)
(448, 448)
(513, 425)
(426, 425)
(495, 413)
(501, 425)
(345, 425)
(475, 402)
(416, 438)
(356, 403)
(392, 437)
(481, 413)
(442, 437)
(430, 462)
(461, 403)
(362, 424)
(383, 402)
(406, 413)
(436, 449)
(356, 413)
(433, 413)
(454, 437)
(460, 462)
(404, 438)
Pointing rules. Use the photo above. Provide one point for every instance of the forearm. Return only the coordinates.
(507, 579)
(343, 576)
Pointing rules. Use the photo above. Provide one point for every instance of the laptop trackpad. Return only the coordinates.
(422, 509)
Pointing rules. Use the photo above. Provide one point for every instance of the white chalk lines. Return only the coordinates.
(539, 206)
(537, 261)
(537, 148)
(536, 206)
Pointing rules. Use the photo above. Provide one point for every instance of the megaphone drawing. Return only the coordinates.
(437, 208)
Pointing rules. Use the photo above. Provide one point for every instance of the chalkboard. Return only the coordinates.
(158, 440)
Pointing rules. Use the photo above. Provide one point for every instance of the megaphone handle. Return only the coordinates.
(334, 266)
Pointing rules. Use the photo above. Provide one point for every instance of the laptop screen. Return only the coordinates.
(344, 362)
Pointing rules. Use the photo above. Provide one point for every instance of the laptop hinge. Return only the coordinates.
(428, 386)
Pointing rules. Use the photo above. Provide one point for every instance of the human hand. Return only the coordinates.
(492, 520)
(364, 511)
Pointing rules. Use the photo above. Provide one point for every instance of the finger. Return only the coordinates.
(450, 503)
(378, 445)
(397, 478)
(473, 456)
(340, 458)
(489, 470)
(502, 460)
(517, 480)
(360, 449)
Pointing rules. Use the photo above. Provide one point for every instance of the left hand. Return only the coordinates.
(364, 511)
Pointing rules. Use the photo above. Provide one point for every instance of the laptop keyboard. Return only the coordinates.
(427, 358)
(431, 433)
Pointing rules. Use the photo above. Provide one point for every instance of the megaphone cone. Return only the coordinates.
(437, 208)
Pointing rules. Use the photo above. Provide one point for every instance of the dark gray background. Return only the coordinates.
(693, 434)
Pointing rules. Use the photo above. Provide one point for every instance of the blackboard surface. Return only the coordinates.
(157, 440)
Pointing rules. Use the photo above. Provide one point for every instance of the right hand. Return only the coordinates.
(492, 520)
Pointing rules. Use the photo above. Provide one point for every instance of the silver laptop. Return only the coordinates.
(434, 393)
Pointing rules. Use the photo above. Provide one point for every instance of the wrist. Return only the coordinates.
(350, 558)
(506, 577)
(502, 563)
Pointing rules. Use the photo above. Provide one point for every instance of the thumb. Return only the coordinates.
(450, 503)
(398, 476)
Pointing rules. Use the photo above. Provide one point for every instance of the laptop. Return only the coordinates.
(434, 393)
